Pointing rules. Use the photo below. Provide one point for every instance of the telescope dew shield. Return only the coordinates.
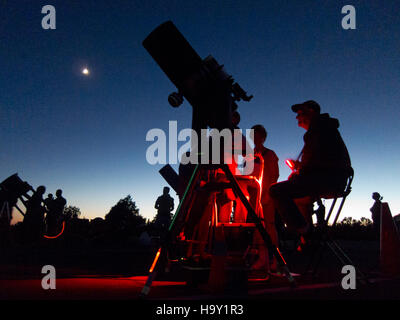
(173, 53)
(204, 84)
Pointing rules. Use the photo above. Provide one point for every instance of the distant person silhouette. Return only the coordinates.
(51, 215)
(376, 212)
(164, 205)
(49, 201)
(323, 168)
(59, 203)
(34, 216)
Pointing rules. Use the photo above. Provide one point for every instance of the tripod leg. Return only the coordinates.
(3, 208)
(178, 217)
(152, 273)
(317, 252)
(264, 234)
(319, 255)
(172, 230)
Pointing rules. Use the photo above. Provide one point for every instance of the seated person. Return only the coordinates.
(323, 168)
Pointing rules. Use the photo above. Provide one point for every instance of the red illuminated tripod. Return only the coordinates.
(183, 211)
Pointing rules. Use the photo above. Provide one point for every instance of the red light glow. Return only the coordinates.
(281, 255)
(155, 261)
(61, 232)
(290, 163)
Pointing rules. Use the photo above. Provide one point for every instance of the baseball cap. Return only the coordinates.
(307, 104)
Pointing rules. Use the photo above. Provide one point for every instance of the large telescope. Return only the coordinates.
(204, 83)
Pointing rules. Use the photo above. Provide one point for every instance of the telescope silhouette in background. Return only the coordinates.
(13, 189)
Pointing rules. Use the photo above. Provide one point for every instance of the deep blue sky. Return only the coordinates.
(86, 135)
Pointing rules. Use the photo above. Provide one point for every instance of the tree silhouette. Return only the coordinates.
(124, 215)
(352, 229)
(71, 212)
(349, 221)
(365, 222)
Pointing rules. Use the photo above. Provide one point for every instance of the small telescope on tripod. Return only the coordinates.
(13, 189)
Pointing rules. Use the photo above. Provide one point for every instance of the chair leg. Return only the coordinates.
(345, 259)
(326, 240)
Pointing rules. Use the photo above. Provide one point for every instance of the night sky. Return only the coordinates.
(86, 134)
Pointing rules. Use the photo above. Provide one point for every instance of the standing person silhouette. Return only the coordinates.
(49, 201)
(376, 212)
(59, 204)
(270, 176)
(53, 215)
(164, 205)
(34, 217)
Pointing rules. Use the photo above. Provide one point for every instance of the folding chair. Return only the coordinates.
(324, 239)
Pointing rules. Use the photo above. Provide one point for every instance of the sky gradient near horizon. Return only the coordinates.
(86, 134)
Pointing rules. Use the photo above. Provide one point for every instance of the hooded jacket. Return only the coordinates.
(324, 150)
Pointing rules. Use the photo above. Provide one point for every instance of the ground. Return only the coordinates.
(101, 274)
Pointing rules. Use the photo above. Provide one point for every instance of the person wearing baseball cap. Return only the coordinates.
(323, 168)
(306, 112)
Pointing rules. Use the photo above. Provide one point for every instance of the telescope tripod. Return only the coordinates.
(5, 210)
(183, 213)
